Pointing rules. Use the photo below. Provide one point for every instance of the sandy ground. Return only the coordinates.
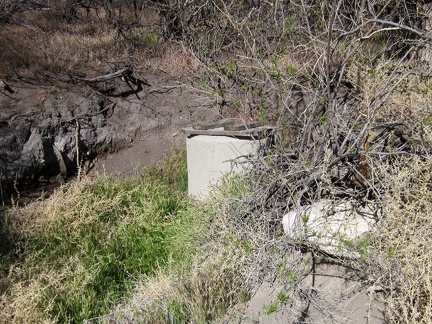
(145, 150)
(331, 295)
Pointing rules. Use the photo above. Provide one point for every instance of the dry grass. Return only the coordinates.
(69, 257)
(197, 296)
(32, 52)
(138, 244)
(30, 298)
(400, 262)
(47, 45)
(177, 61)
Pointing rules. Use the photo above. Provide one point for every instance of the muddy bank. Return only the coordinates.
(49, 132)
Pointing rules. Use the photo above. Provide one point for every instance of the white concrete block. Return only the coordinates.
(210, 157)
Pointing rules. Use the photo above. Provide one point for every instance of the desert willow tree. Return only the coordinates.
(341, 79)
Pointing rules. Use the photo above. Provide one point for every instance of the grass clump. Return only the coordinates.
(202, 289)
(69, 257)
(112, 249)
(400, 257)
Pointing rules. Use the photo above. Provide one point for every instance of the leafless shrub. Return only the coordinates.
(56, 39)
(339, 107)
(344, 83)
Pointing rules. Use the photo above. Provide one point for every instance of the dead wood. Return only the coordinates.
(5, 87)
(127, 71)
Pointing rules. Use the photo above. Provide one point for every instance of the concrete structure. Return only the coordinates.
(216, 152)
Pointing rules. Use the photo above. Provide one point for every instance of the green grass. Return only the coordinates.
(84, 247)
(200, 288)
(113, 249)
(270, 309)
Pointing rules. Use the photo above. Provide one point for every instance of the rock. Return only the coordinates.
(39, 142)
(332, 225)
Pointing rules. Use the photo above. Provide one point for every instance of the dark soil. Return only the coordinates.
(47, 131)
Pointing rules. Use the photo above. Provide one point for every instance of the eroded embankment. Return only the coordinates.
(51, 132)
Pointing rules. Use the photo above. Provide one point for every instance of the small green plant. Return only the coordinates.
(204, 83)
(364, 246)
(247, 245)
(147, 36)
(291, 70)
(373, 72)
(391, 251)
(232, 65)
(324, 99)
(244, 296)
(427, 121)
(234, 185)
(287, 272)
(278, 233)
(263, 114)
(283, 297)
(235, 103)
(246, 86)
(289, 28)
(323, 119)
(271, 308)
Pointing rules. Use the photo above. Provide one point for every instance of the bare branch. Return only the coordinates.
(122, 72)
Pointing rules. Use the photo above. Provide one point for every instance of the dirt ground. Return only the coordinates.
(332, 294)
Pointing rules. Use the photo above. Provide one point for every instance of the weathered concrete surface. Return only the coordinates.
(211, 157)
